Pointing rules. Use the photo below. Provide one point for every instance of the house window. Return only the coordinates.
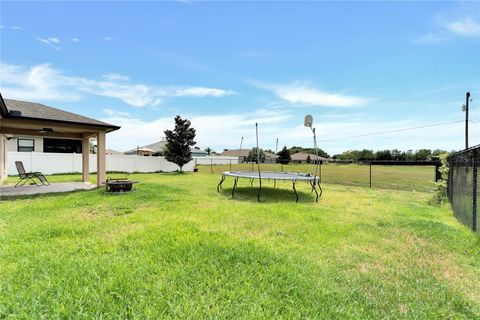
(62, 145)
(26, 145)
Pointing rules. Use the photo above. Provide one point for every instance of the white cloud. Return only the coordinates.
(431, 38)
(74, 39)
(17, 28)
(107, 38)
(115, 76)
(115, 113)
(54, 40)
(464, 28)
(301, 94)
(220, 131)
(49, 40)
(217, 131)
(448, 30)
(200, 92)
(43, 82)
(2, 27)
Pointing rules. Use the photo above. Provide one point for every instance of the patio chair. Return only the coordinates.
(25, 177)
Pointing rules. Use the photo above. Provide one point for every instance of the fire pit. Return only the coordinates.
(119, 185)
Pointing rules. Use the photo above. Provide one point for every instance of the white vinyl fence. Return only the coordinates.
(52, 163)
(213, 160)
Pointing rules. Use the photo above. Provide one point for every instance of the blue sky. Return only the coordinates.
(357, 67)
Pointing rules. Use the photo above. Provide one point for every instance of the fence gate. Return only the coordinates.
(463, 179)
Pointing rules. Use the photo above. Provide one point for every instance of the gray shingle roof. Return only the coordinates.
(31, 110)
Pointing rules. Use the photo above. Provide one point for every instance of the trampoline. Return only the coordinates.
(281, 176)
(314, 179)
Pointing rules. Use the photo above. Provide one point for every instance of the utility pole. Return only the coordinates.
(465, 108)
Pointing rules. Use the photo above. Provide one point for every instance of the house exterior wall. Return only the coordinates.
(12, 144)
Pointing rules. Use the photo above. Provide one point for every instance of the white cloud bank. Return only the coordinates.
(220, 131)
(299, 93)
(464, 28)
(217, 131)
(43, 82)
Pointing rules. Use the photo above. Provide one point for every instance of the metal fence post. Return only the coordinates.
(370, 174)
(230, 164)
(211, 165)
(474, 191)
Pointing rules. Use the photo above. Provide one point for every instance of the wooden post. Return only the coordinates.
(85, 159)
(3, 158)
(101, 158)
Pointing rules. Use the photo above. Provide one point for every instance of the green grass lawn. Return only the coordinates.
(178, 249)
(408, 178)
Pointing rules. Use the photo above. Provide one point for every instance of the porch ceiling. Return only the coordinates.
(36, 128)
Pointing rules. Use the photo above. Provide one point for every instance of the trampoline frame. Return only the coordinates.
(289, 176)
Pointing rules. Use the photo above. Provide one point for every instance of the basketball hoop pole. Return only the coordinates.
(309, 123)
(240, 152)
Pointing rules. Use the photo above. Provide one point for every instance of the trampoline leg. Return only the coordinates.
(320, 187)
(274, 184)
(251, 182)
(234, 187)
(314, 189)
(219, 186)
(296, 194)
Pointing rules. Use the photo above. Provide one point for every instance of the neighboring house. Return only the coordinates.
(34, 127)
(302, 157)
(114, 152)
(197, 152)
(243, 155)
(159, 147)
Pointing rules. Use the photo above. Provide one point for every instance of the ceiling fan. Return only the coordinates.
(49, 130)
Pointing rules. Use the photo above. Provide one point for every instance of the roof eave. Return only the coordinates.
(3, 108)
(108, 127)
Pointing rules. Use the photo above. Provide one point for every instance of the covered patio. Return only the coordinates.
(27, 190)
(34, 119)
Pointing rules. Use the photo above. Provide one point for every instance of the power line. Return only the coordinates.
(399, 130)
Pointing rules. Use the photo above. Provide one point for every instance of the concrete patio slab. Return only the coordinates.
(11, 191)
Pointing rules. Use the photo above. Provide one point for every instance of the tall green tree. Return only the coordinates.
(284, 156)
(252, 155)
(208, 150)
(179, 140)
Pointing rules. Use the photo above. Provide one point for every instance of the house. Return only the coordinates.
(114, 152)
(302, 157)
(242, 155)
(34, 127)
(157, 149)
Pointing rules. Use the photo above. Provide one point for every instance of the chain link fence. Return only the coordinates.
(462, 185)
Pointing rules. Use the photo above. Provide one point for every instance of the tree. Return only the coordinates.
(252, 155)
(284, 156)
(208, 150)
(308, 159)
(383, 155)
(179, 141)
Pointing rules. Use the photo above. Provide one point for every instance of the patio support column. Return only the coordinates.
(85, 159)
(101, 158)
(3, 158)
